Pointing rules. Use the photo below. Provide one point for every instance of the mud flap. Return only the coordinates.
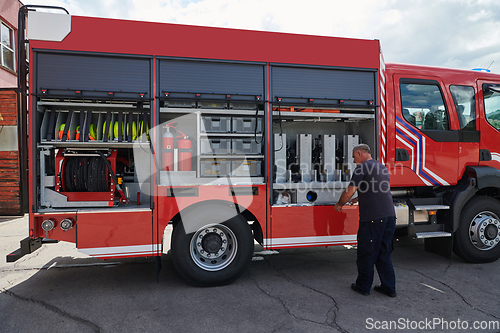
(158, 268)
(442, 246)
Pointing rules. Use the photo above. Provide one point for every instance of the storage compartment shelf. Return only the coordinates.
(212, 111)
(83, 105)
(90, 144)
(311, 185)
(86, 125)
(250, 157)
(298, 114)
(237, 167)
(130, 207)
(232, 135)
(303, 204)
(177, 180)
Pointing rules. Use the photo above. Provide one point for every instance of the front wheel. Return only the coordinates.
(478, 235)
(215, 254)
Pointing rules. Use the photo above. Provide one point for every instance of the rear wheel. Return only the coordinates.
(217, 253)
(478, 235)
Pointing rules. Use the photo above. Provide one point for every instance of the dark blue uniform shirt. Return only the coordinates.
(374, 190)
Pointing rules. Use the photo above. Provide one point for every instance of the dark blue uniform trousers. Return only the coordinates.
(374, 249)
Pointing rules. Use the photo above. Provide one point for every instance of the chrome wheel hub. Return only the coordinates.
(484, 231)
(213, 247)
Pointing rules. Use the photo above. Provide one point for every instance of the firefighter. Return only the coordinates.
(377, 222)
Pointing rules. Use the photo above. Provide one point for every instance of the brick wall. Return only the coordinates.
(10, 194)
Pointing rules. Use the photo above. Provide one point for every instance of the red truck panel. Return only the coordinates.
(313, 226)
(169, 206)
(145, 38)
(114, 234)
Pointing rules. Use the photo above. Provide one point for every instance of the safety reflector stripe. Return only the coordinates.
(117, 251)
(495, 157)
(311, 241)
(382, 112)
(405, 132)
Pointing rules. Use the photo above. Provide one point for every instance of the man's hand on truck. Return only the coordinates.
(345, 197)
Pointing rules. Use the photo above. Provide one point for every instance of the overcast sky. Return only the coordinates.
(451, 33)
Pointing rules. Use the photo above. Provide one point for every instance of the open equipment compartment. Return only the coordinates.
(213, 154)
(78, 171)
(91, 126)
(211, 115)
(319, 115)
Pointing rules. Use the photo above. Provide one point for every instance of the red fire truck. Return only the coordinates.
(235, 136)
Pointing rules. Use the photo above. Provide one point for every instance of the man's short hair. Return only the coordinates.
(363, 147)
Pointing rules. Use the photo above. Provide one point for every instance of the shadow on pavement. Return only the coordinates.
(297, 290)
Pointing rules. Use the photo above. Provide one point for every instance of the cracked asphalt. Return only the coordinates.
(58, 289)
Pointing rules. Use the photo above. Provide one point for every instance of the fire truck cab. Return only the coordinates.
(443, 134)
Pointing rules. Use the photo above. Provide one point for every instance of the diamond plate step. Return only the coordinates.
(431, 207)
(432, 234)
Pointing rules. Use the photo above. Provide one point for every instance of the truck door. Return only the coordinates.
(426, 133)
(489, 92)
(464, 101)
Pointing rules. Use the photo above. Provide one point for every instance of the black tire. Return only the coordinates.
(214, 253)
(478, 235)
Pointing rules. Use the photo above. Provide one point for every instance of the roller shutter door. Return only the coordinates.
(99, 73)
(211, 77)
(322, 83)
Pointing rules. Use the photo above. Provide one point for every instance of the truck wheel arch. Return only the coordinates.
(465, 191)
(476, 181)
(231, 207)
(485, 176)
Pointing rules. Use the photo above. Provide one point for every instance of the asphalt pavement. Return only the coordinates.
(57, 289)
